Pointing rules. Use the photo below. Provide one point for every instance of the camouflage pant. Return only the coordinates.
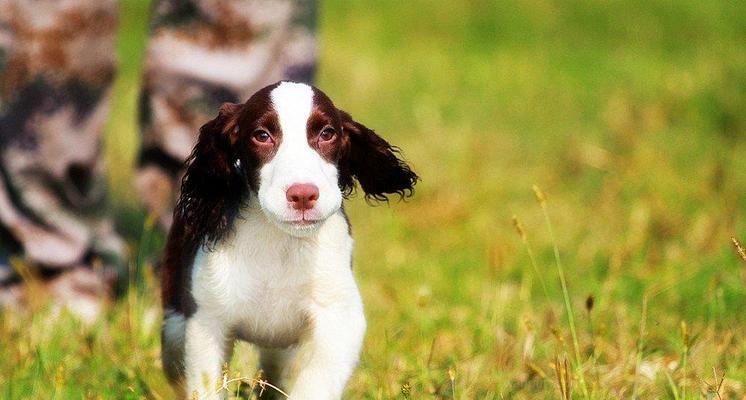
(57, 61)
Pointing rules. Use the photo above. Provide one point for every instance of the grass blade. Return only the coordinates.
(541, 198)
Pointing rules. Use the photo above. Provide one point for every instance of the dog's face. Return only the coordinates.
(300, 132)
(289, 146)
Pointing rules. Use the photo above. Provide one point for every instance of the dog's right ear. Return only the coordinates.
(213, 187)
(374, 162)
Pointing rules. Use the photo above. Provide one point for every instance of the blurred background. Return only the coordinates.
(628, 116)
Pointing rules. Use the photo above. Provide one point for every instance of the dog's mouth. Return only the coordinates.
(301, 227)
(304, 220)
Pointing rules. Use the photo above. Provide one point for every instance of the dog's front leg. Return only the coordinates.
(205, 352)
(327, 356)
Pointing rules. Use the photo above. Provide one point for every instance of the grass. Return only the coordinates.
(630, 117)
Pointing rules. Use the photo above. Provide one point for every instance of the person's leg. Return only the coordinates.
(56, 68)
(201, 54)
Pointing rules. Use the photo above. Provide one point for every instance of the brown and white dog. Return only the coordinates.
(260, 249)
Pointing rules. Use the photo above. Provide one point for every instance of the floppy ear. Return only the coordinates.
(373, 162)
(213, 186)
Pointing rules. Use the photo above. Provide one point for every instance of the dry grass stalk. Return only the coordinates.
(684, 356)
(406, 390)
(714, 387)
(640, 345)
(739, 249)
(541, 198)
(452, 378)
(564, 378)
(522, 233)
(252, 382)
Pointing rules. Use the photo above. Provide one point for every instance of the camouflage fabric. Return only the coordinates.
(57, 64)
(202, 54)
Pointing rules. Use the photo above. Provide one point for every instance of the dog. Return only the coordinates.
(260, 248)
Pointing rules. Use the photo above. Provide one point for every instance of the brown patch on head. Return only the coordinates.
(230, 110)
(324, 128)
(224, 165)
(257, 115)
(359, 153)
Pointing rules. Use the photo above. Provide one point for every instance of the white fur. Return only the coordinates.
(289, 289)
(295, 297)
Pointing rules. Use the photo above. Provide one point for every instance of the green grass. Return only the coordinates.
(631, 118)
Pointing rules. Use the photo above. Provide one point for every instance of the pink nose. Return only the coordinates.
(302, 196)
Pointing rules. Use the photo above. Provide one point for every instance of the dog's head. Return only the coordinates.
(289, 146)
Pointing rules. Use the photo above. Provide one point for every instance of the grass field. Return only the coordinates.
(629, 116)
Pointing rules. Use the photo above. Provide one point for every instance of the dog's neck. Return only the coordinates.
(256, 235)
(258, 255)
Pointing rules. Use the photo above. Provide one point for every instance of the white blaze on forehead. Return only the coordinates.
(292, 102)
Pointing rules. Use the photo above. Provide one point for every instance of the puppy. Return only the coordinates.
(260, 248)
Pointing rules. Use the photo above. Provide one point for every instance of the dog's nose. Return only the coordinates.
(302, 196)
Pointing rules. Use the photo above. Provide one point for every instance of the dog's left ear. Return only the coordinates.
(373, 162)
(212, 187)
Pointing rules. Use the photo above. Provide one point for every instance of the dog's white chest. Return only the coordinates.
(263, 283)
(274, 311)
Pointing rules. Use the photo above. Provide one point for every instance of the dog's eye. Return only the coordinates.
(262, 136)
(327, 134)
